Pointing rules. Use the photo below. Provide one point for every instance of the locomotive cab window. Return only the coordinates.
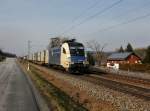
(64, 51)
(76, 49)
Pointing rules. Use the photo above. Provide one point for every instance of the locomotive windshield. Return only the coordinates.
(76, 49)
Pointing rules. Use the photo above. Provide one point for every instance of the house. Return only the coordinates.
(124, 58)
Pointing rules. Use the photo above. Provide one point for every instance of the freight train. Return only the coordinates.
(69, 55)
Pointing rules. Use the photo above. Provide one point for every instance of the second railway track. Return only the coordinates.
(135, 90)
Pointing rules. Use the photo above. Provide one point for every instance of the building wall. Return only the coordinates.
(133, 59)
(117, 61)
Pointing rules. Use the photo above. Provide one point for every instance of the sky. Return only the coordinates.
(111, 22)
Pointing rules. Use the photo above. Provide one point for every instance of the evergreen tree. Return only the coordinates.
(121, 49)
(147, 58)
(129, 48)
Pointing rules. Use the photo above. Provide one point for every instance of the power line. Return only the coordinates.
(134, 9)
(83, 13)
(125, 22)
(131, 10)
(93, 16)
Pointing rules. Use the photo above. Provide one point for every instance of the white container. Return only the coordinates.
(43, 56)
(46, 57)
(39, 56)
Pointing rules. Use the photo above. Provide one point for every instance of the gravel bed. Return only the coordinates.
(126, 73)
(123, 101)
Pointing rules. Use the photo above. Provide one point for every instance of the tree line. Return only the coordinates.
(3, 55)
(129, 48)
(97, 53)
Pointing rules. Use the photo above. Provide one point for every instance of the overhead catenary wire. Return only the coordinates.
(93, 16)
(86, 10)
(129, 11)
(134, 9)
(83, 13)
(125, 22)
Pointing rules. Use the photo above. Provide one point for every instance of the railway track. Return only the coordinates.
(135, 90)
(128, 79)
(122, 77)
(133, 86)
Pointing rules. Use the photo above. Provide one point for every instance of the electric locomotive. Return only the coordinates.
(70, 55)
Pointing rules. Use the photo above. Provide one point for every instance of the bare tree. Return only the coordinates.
(97, 49)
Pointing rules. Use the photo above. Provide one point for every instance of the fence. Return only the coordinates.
(135, 67)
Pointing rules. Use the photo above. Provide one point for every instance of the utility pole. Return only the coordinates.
(29, 48)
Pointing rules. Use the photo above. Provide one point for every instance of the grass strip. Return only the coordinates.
(65, 102)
